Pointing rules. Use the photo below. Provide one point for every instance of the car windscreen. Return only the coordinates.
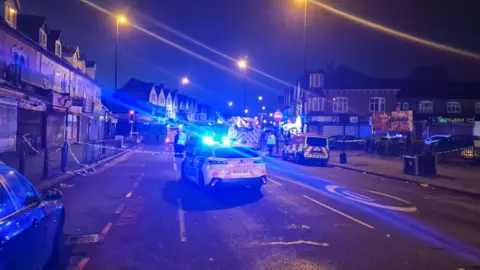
(316, 141)
(236, 152)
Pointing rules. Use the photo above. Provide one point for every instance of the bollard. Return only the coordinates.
(343, 158)
(46, 159)
(21, 165)
(64, 157)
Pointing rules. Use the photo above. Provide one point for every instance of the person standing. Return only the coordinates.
(270, 143)
(277, 141)
(180, 141)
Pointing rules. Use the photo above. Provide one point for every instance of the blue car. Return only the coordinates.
(31, 224)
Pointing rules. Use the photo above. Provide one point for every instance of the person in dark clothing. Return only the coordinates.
(277, 141)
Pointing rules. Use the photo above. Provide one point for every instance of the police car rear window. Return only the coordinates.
(315, 141)
(236, 152)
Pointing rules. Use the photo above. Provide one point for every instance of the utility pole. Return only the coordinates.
(303, 91)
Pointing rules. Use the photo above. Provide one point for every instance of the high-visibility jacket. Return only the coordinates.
(182, 138)
(271, 139)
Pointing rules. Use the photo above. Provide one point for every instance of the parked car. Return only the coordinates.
(435, 138)
(31, 224)
(454, 142)
(308, 147)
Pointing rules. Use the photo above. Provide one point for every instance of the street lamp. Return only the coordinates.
(230, 104)
(120, 20)
(271, 114)
(260, 98)
(185, 80)
(242, 64)
(263, 108)
(245, 111)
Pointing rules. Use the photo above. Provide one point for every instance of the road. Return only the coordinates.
(134, 213)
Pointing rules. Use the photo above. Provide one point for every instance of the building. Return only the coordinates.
(340, 96)
(441, 108)
(47, 94)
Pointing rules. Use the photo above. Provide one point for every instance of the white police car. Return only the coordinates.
(224, 165)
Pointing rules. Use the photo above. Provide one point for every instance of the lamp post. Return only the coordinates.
(242, 64)
(120, 20)
(304, 60)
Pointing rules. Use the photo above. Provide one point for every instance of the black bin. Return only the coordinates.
(423, 165)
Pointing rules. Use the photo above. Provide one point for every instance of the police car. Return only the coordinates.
(217, 165)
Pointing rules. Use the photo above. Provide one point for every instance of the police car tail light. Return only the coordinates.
(217, 162)
(258, 161)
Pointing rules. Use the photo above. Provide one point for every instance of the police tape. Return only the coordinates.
(128, 149)
(35, 149)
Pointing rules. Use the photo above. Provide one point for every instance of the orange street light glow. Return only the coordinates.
(121, 19)
(397, 33)
(242, 64)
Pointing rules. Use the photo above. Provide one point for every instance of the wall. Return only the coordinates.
(440, 105)
(7, 45)
(359, 100)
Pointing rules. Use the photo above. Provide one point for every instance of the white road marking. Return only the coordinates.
(409, 209)
(339, 212)
(389, 196)
(296, 243)
(181, 222)
(81, 265)
(273, 181)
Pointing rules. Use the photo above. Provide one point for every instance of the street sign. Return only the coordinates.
(278, 116)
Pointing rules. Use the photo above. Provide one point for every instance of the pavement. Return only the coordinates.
(456, 178)
(134, 213)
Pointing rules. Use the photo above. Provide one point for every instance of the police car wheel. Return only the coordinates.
(201, 181)
(183, 176)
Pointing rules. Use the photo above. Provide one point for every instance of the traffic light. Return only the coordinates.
(131, 116)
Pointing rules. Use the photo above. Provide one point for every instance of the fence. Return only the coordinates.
(38, 164)
(464, 156)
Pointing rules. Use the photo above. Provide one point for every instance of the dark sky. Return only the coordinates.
(270, 33)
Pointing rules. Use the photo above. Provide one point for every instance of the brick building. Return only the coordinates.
(47, 94)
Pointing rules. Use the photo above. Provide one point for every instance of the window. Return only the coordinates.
(10, 15)
(399, 106)
(453, 107)
(42, 37)
(405, 106)
(477, 107)
(21, 188)
(58, 48)
(426, 107)
(316, 141)
(6, 205)
(72, 128)
(377, 104)
(340, 104)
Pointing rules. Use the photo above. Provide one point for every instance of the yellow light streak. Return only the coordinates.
(397, 33)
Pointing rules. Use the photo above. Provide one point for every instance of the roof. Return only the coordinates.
(53, 36)
(135, 94)
(440, 90)
(90, 64)
(69, 50)
(343, 77)
(30, 25)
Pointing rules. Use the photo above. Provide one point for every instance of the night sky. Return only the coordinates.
(270, 33)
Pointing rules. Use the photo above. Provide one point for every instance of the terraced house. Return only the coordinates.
(48, 94)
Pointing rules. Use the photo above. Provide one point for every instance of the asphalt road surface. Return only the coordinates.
(134, 213)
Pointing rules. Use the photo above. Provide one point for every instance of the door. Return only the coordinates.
(17, 250)
(32, 231)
